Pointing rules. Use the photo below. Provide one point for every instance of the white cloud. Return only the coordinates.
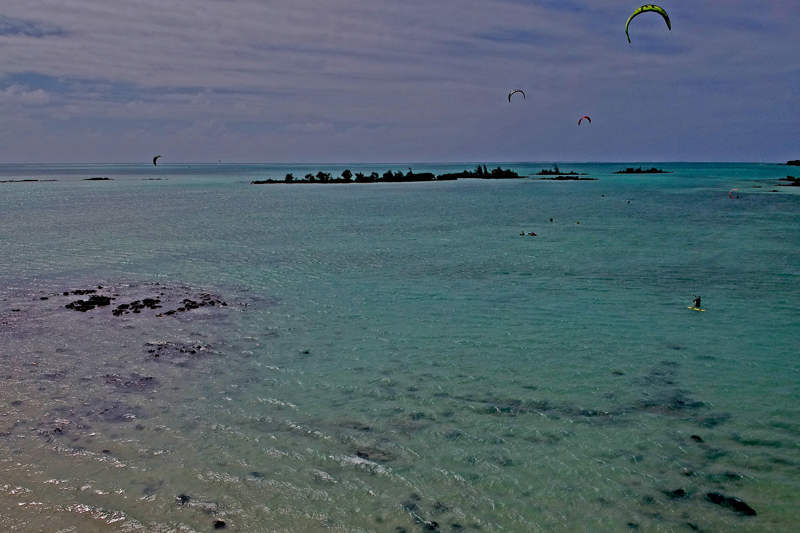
(17, 94)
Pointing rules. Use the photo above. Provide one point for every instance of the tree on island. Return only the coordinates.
(289, 178)
(347, 175)
(324, 176)
(310, 177)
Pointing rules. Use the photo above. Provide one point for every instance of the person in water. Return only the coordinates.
(696, 300)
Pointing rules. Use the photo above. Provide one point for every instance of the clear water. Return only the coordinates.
(396, 357)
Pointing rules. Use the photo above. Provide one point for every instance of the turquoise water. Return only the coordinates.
(396, 356)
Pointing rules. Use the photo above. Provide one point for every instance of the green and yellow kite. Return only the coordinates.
(648, 7)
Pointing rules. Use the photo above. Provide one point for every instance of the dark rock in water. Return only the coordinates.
(44, 298)
(135, 383)
(671, 404)
(678, 494)
(735, 504)
(440, 507)
(374, 455)
(409, 505)
(81, 292)
(633, 525)
(100, 410)
(91, 303)
(137, 306)
(182, 499)
(175, 350)
(257, 475)
(696, 438)
(219, 524)
(429, 525)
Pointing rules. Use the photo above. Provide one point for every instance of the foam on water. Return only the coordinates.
(396, 356)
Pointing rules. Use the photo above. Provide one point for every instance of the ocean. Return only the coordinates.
(182, 350)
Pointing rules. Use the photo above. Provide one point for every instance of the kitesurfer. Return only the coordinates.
(696, 301)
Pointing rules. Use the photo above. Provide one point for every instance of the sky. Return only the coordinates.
(361, 81)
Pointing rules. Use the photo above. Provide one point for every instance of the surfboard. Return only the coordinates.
(695, 309)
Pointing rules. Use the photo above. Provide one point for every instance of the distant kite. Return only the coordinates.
(154, 159)
(515, 91)
(648, 7)
(731, 193)
(587, 118)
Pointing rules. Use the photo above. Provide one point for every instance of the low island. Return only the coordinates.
(791, 181)
(556, 174)
(481, 172)
(640, 170)
(793, 163)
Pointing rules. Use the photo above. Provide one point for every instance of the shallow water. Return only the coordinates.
(396, 356)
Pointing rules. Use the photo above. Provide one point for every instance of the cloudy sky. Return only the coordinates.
(397, 81)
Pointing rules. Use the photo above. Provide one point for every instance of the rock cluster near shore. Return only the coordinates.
(137, 306)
